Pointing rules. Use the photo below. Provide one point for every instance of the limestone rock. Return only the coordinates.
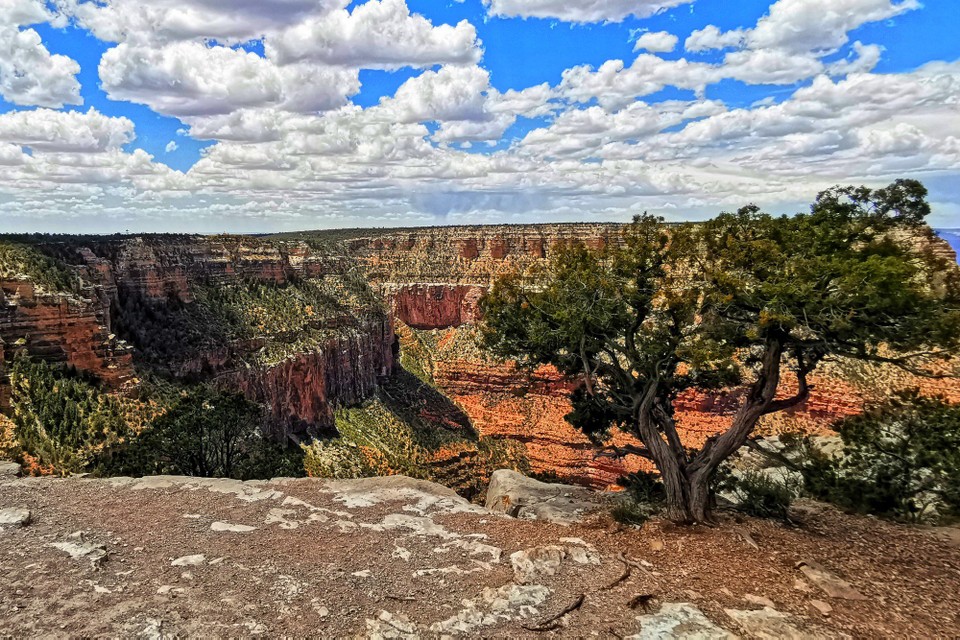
(189, 561)
(232, 528)
(769, 624)
(530, 564)
(95, 553)
(679, 621)
(14, 518)
(9, 469)
(522, 497)
(823, 608)
(831, 584)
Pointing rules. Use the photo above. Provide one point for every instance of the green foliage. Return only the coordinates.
(410, 428)
(901, 460)
(631, 513)
(643, 498)
(62, 420)
(18, 259)
(209, 434)
(281, 319)
(65, 423)
(760, 495)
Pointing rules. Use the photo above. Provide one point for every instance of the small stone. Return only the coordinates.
(232, 528)
(760, 601)
(831, 584)
(189, 561)
(769, 624)
(366, 573)
(530, 564)
(96, 553)
(9, 469)
(823, 608)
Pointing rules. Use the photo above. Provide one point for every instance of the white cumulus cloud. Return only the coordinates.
(656, 42)
(581, 10)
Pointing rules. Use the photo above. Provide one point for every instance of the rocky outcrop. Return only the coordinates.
(302, 392)
(64, 328)
(396, 557)
(522, 497)
(435, 306)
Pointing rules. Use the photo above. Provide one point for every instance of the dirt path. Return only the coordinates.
(396, 557)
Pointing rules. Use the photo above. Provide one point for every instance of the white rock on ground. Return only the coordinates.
(232, 528)
(9, 469)
(522, 497)
(14, 518)
(679, 621)
(95, 553)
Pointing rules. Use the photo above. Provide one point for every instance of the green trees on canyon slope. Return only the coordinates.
(741, 300)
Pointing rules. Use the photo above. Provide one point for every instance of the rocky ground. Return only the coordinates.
(398, 558)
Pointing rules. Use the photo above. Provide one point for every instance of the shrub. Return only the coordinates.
(643, 497)
(901, 461)
(760, 495)
(62, 420)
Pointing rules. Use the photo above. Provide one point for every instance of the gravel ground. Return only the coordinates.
(396, 557)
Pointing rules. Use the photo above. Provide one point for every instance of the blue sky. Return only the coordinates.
(179, 115)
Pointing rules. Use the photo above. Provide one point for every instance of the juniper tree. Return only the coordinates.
(731, 303)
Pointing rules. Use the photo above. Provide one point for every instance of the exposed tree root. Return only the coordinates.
(553, 622)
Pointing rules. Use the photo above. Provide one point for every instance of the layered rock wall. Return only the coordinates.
(63, 328)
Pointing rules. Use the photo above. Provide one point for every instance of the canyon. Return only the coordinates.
(433, 279)
(320, 322)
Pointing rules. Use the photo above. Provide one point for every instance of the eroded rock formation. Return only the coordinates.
(157, 278)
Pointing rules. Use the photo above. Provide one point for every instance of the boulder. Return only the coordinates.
(522, 497)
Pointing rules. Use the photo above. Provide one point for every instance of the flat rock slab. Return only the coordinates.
(95, 553)
(14, 518)
(232, 528)
(521, 497)
(9, 469)
(679, 621)
(770, 624)
(831, 584)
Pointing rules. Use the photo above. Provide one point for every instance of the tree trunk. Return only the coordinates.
(688, 494)
(688, 498)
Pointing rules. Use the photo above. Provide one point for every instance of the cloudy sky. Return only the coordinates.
(260, 115)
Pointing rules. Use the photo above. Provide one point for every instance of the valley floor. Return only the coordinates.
(394, 557)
